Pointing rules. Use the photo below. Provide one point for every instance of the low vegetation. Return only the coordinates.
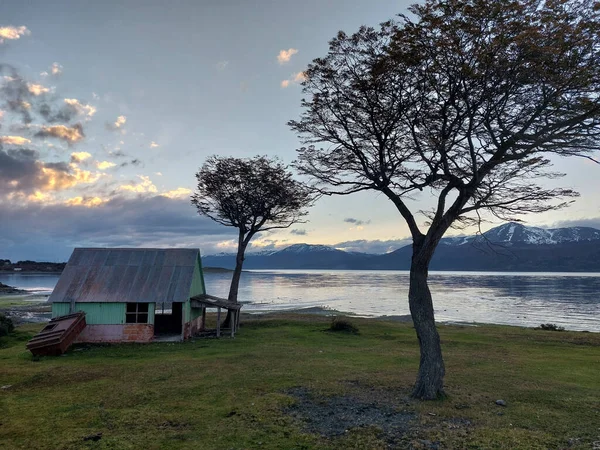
(284, 383)
(343, 324)
(551, 327)
(6, 325)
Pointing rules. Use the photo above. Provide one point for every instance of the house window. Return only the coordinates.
(136, 313)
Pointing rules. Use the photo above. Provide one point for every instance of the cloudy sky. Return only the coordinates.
(108, 109)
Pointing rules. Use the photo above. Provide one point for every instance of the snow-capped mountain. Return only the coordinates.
(517, 233)
(518, 247)
(306, 248)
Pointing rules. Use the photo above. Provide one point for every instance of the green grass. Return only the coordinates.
(231, 394)
(11, 300)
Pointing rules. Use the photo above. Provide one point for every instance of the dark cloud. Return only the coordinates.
(15, 93)
(591, 222)
(64, 114)
(299, 232)
(356, 222)
(32, 101)
(374, 247)
(32, 231)
(134, 162)
(22, 171)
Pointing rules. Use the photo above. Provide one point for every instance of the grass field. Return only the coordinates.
(285, 383)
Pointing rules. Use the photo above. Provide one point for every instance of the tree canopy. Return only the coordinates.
(469, 100)
(252, 195)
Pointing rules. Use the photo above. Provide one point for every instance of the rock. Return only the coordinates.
(500, 403)
(7, 386)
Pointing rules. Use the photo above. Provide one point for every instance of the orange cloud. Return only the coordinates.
(14, 140)
(39, 197)
(296, 78)
(69, 134)
(56, 69)
(88, 202)
(12, 33)
(120, 121)
(284, 56)
(117, 125)
(177, 193)
(78, 157)
(300, 77)
(103, 165)
(37, 89)
(145, 186)
(57, 180)
(227, 245)
(82, 109)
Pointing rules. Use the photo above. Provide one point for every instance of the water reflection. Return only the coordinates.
(34, 282)
(569, 300)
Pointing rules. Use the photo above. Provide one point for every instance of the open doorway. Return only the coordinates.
(168, 321)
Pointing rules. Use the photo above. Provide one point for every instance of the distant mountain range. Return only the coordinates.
(509, 247)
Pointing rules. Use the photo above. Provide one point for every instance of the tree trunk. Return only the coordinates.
(237, 274)
(430, 380)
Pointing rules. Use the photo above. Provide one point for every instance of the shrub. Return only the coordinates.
(6, 325)
(342, 324)
(551, 327)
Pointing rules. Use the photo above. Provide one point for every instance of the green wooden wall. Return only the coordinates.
(197, 288)
(100, 313)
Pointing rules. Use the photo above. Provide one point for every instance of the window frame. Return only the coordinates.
(139, 315)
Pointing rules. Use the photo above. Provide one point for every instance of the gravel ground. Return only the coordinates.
(336, 415)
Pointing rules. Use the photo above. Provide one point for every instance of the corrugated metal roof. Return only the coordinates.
(133, 275)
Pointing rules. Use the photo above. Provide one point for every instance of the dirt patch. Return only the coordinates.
(337, 415)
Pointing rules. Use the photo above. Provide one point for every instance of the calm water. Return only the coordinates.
(527, 299)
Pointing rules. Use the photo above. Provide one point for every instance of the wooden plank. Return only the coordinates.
(218, 322)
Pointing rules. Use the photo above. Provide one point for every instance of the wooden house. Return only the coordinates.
(135, 295)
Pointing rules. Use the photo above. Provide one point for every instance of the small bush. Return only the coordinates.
(6, 325)
(551, 327)
(343, 325)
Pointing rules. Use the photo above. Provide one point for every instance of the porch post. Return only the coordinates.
(219, 321)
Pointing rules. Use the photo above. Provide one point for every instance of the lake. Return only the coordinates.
(571, 300)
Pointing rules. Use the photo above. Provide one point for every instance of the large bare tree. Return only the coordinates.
(253, 195)
(470, 101)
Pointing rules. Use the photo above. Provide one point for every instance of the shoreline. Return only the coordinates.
(10, 290)
(30, 272)
(28, 310)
